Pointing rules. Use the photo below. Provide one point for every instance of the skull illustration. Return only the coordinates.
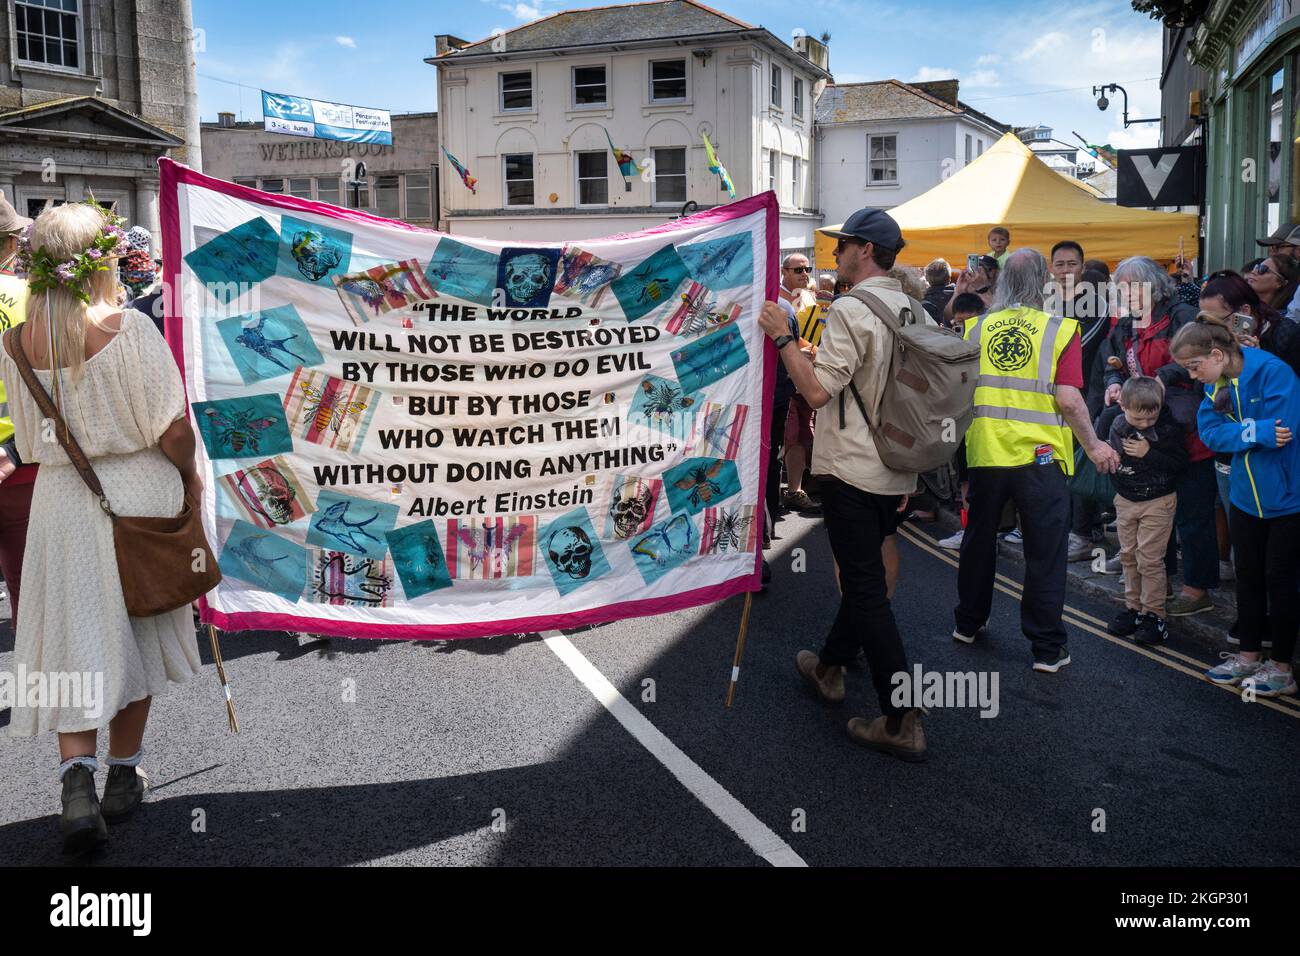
(315, 254)
(268, 492)
(629, 513)
(570, 551)
(526, 276)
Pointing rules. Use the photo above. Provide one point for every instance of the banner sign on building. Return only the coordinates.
(408, 434)
(1169, 176)
(299, 116)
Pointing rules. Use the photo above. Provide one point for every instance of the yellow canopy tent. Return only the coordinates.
(1010, 186)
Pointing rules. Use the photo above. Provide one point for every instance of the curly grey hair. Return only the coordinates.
(1148, 274)
(1022, 281)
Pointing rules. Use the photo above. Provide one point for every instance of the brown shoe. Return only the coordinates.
(903, 737)
(828, 681)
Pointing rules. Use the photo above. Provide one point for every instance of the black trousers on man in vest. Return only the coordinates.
(1043, 502)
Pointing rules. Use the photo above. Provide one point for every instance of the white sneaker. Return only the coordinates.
(968, 638)
(1227, 572)
(953, 541)
(1014, 537)
(1080, 548)
(1270, 681)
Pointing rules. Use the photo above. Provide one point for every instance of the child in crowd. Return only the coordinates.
(999, 244)
(1152, 453)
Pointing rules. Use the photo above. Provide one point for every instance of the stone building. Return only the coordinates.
(92, 93)
(402, 179)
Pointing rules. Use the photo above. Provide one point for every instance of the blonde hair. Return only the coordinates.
(64, 232)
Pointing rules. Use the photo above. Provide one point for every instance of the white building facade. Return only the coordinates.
(883, 143)
(531, 114)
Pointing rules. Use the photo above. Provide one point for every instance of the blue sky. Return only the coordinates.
(1020, 62)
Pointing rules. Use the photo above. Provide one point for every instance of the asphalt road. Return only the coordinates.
(513, 750)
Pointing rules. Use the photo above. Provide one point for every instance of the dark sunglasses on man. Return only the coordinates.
(799, 268)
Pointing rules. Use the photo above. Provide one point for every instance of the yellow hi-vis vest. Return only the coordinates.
(1015, 394)
(13, 310)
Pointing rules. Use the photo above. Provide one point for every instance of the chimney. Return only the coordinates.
(945, 90)
(445, 42)
(226, 119)
(818, 53)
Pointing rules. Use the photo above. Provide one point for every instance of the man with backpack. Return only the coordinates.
(1028, 400)
(863, 482)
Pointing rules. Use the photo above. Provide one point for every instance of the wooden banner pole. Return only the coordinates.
(221, 675)
(740, 646)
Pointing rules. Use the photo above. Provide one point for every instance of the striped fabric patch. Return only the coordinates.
(700, 310)
(488, 548)
(716, 431)
(369, 294)
(335, 577)
(268, 494)
(328, 411)
(728, 530)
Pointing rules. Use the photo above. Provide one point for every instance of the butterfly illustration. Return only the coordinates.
(327, 409)
(699, 482)
(664, 401)
(674, 539)
(728, 526)
(239, 428)
(482, 545)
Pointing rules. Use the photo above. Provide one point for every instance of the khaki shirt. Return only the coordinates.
(855, 345)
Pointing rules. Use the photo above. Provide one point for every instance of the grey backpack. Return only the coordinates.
(929, 397)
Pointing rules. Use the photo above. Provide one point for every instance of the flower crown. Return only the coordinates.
(43, 272)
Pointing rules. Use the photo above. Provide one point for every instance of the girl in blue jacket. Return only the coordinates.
(1251, 406)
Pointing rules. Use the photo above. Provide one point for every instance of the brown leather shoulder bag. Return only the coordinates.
(164, 563)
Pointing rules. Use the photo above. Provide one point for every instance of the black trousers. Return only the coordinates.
(1043, 502)
(1266, 556)
(776, 435)
(857, 523)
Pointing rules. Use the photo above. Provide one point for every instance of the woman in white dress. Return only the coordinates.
(120, 393)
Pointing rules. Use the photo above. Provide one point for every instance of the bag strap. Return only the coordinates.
(895, 324)
(43, 401)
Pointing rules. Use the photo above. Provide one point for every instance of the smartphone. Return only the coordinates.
(1241, 324)
(973, 263)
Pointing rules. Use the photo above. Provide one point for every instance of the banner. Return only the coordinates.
(407, 434)
(299, 116)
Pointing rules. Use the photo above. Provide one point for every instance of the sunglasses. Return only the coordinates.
(1262, 270)
(799, 268)
(843, 244)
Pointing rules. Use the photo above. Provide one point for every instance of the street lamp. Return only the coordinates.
(1101, 91)
(356, 182)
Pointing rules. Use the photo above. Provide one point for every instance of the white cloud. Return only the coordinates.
(1146, 136)
(928, 74)
(524, 12)
(1044, 44)
(979, 79)
(348, 42)
(988, 59)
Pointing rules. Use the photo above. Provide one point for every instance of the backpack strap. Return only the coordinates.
(910, 315)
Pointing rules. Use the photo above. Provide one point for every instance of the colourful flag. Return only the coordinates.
(470, 182)
(716, 167)
(1105, 153)
(626, 164)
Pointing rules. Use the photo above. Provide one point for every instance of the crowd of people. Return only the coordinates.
(1180, 393)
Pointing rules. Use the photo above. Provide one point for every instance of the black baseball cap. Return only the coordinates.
(869, 225)
(1287, 234)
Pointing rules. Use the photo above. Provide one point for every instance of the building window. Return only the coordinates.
(882, 162)
(796, 183)
(668, 81)
(776, 86)
(388, 196)
(798, 97)
(589, 87)
(300, 188)
(49, 32)
(516, 91)
(327, 189)
(519, 179)
(359, 197)
(773, 161)
(272, 185)
(593, 179)
(670, 175)
(250, 183)
(419, 196)
(968, 147)
(979, 148)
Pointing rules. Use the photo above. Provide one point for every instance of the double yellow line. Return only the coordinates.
(1161, 654)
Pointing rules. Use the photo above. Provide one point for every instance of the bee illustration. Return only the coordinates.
(674, 539)
(326, 408)
(699, 482)
(728, 526)
(715, 267)
(483, 546)
(652, 291)
(239, 429)
(664, 401)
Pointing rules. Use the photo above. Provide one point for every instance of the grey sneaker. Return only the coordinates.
(123, 792)
(1080, 548)
(1113, 565)
(1233, 670)
(1052, 666)
(1183, 606)
(82, 824)
(1270, 681)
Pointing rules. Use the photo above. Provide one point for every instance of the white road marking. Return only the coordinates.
(708, 791)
